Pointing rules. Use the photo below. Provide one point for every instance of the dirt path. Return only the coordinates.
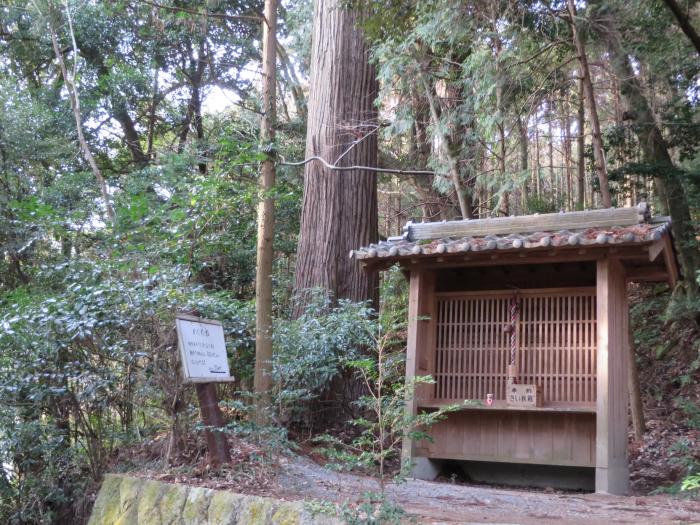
(435, 502)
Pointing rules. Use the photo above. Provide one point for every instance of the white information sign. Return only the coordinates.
(203, 349)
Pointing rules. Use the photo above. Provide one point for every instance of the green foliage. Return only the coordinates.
(537, 204)
(310, 352)
(691, 483)
(83, 368)
(374, 508)
(384, 421)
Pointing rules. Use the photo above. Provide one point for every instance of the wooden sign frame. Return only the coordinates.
(209, 409)
(185, 372)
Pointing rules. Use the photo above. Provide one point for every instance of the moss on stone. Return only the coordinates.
(224, 508)
(287, 514)
(129, 491)
(172, 503)
(196, 511)
(255, 511)
(107, 508)
(123, 500)
(148, 510)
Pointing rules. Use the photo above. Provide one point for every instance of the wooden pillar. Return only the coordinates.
(420, 344)
(612, 472)
(212, 417)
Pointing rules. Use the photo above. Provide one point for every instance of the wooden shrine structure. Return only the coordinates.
(537, 301)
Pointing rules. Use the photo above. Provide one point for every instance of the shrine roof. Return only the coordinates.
(594, 228)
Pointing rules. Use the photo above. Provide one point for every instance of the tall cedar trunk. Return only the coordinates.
(581, 158)
(339, 211)
(266, 220)
(669, 187)
(598, 153)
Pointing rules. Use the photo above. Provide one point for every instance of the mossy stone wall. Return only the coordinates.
(126, 500)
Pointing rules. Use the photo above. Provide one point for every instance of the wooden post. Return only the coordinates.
(612, 471)
(419, 357)
(202, 347)
(212, 417)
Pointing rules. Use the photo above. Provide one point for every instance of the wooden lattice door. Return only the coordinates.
(556, 341)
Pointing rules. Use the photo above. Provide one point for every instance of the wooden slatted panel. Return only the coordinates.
(556, 334)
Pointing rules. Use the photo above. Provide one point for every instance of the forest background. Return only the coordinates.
(129, 172)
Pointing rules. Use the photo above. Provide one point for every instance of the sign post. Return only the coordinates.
(205, 362)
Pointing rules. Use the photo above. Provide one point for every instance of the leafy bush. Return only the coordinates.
(86, 369)
(312, 351)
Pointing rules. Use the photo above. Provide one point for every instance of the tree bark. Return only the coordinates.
(194, 105)
(120, 111)
(669, 187)
(598, 152)
(77, 114)
(684, 23)
(447, 150)
(524, 147)
(636, 406)
(266, 220)
(419, 153)
(287, 69)
(339, 210)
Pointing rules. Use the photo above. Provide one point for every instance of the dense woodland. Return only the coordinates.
(138, 139)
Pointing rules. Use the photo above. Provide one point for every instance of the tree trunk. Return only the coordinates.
(636, 406)
(550, 153)
(119, 110)
(193, 114)
(598, 152)
(419, 153)
(339, 210)
(581, 150)
(447, 148)
(266, 220)
(503, 199)
(72, 88)
(524, 144)
(566, 139)
(287, 69)
(684, 22)
(669, 187)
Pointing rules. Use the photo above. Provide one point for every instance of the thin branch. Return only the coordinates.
(74, 97)
(355, 143)
(222, 16)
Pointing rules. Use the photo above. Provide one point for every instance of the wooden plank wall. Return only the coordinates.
(556, 334)
(547, 438)
(612, 472)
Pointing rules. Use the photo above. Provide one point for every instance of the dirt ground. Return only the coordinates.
(433, 502)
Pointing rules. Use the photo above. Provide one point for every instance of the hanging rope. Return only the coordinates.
(514, 311)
